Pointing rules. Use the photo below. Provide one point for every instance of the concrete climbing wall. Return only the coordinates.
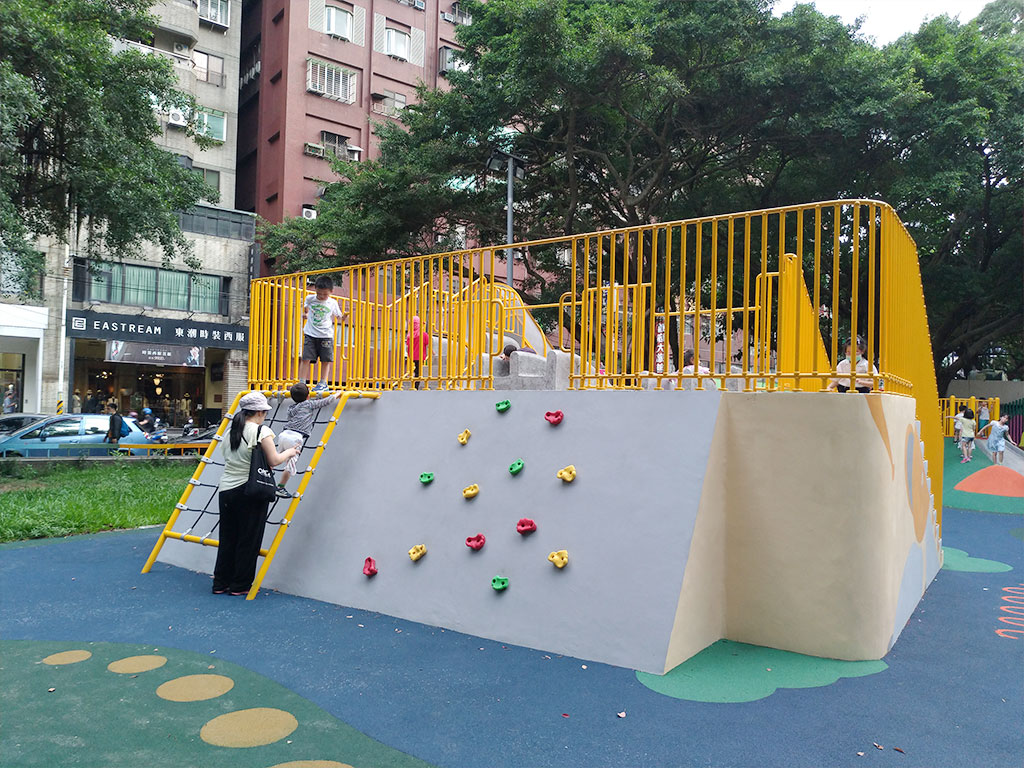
(626, 521)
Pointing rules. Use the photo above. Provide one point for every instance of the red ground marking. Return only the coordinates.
(1014, 595)
(995, 481)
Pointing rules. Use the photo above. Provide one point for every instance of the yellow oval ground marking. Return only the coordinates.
(195, 688)
(312, 764)
(249, 727)
(67, 657)
(132, 665)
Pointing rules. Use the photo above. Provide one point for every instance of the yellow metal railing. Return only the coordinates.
(763, 299)
(950, 406)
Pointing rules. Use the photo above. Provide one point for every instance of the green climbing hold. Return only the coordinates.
(498, 583)
(427, 478)
(516, 467)
(503, 406)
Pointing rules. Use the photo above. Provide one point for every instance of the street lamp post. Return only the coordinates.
(515, 168)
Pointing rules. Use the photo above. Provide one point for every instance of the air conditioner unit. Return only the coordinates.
(182, 49)
(419, 5)
(309, 213)
(449, 17)
(313, 150)
(177, 117)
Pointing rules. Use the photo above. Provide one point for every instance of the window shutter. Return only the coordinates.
(416, 46)
(379, 32)
(358, 25)
(316, 15)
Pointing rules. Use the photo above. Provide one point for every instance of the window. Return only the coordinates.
(205, 220)
(152, 287)
(449, 60)
(338, 22)
(212, 178)
(139, 285)
(396, 43)
(214, 11)
(461, 17)
(211, 123)
(208, 68)
(205, 294)
(330, 80)
(172, 291)
(388, 103)
(63, 428)
(336, 145)
(96, 425)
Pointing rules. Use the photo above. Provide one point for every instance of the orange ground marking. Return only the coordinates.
(995, 481)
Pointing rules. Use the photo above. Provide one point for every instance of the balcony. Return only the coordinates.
(180, 17)
(183, 65)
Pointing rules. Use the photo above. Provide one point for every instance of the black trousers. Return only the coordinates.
(242, 521)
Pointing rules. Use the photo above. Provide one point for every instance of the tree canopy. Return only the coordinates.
(633, 111)
(77, 124)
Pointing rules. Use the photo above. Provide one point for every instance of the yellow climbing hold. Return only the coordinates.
(559, 558)
(135, 664)
(417, 552)
(464, 436)
(567, 474)
(249, 728)
(67, 657)
(470, 491)
(195, 687)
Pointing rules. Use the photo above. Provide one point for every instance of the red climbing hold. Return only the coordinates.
(525, 526)
(476, 542)
(370, 567)
(554, 417)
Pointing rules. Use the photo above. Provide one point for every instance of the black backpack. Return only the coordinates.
(261, 485)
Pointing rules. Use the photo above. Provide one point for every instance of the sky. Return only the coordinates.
(886, 20)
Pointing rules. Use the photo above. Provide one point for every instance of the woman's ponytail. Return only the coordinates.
(237, 426)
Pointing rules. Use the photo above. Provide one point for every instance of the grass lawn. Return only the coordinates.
(59, 499)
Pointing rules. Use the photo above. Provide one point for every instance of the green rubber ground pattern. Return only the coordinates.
(94, 717)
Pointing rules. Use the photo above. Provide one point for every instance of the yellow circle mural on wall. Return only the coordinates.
(249, 728)
(132, 665)
(67, 657)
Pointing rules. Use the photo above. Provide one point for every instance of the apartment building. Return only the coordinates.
(317, 75)
(146, 333)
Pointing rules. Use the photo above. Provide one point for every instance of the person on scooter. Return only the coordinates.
(147, 423)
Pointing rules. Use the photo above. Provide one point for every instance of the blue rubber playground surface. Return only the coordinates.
(101, 666)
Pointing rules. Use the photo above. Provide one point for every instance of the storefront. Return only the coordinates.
(176, 367)
(21, 355)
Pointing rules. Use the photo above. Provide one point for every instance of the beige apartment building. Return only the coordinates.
(145, 333)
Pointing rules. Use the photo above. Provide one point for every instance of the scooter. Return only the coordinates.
(159, 433)
(189, 430)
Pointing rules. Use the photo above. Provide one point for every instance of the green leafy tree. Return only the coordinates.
(77, 124)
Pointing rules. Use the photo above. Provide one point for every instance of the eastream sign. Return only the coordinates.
(97, 325)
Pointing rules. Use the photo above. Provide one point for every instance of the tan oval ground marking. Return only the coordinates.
(249, 727)
(67, 657)
(132, 665)
(312, 764)
(195, 687)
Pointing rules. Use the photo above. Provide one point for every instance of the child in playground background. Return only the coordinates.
(983, 415)
(319, 312)
(301, 417)
(967, 426)
(417, 345)
(997, 437)
(842, 380)
(957, 421)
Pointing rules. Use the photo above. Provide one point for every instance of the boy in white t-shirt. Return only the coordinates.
(319, 312)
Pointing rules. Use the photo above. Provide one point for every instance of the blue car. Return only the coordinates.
(79, 434)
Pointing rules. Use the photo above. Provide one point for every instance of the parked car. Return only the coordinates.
(12, 422)
(68, 435)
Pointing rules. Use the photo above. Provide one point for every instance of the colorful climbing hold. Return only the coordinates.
(503, 406)
(464, 436)
(516, 467)
(426, 478)
(476, 542)
(470, 491)
(525, 526)
(417, 552)
(499, 583)
(567, 474)
(559, 559)
(554, 418)
(370, 567)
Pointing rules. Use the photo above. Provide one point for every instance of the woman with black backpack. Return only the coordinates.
(246, 489)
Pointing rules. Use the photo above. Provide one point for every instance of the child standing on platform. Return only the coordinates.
(319, 312)
(997, 437)
(301, 417)
(957, 420)
(967, 436)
